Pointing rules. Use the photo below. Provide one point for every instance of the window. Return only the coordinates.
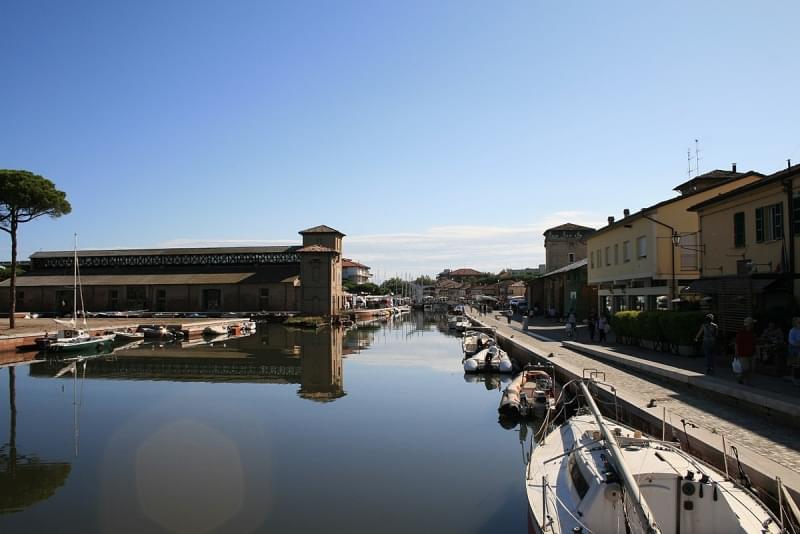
(769, 222)
(591, 261)
(608, 256)
(641, 246)
(626, 251)
(738, 229)
(571, 257)
(616, 254)
(578, 480)
(796, 213)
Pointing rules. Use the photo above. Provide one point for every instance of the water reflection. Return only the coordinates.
(242, 435)
(25, 478)
(273, 354)
(490, 380)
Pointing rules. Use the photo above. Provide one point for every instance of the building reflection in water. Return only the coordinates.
(274, 354)
(25, 479)
(321, 379)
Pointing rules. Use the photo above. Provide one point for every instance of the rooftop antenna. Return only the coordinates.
(697, 157)
(689, 162)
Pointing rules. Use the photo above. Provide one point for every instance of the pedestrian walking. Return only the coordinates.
(591, 325)
(744, 350)
(708, 331)
(602, 329)
(573, 323)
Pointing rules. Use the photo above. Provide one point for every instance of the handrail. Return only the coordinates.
(629, 483)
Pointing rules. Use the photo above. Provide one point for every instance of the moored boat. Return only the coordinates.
(474, 341)
(595, 475)
(530, 394)
(215, 330)
(489, 360)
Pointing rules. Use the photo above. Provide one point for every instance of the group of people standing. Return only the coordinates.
(746, 345)
(597, 325)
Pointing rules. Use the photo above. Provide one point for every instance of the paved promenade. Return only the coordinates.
(774, 441)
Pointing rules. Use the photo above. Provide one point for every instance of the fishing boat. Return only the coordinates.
(489, 360)
(474, 341)
(74, 339)
(595, 475)
(530, 394)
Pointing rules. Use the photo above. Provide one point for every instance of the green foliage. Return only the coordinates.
(25, 196)
(625, 327)
(680, 327)
(677, 328)
(649, 325)
(425, 280)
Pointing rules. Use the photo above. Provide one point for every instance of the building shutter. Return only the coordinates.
(778, 221)
(759, 225)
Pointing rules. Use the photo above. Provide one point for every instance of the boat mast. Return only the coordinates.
(75, 284)
(629, 482)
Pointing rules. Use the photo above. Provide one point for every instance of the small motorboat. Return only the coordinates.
(157, 332)
(215, 330)
(489, 360)
(127, 335)
(530, 394)
(596, 475)
(474, 341)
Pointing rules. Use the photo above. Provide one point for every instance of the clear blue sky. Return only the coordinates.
(435, 134)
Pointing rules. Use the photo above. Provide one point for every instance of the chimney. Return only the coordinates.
(610, 219)
(733, 168)
(788, 163)
(626, 212)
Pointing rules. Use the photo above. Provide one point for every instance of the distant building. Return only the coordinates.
(564, 290)
(355, 272)
(564, 245)
(305, 278)
(460, 275)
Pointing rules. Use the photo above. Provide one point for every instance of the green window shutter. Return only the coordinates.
(738, 229)
(778, 224)
(796, 214)
(759, 225)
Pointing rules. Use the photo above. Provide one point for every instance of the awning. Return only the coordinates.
(728, 284)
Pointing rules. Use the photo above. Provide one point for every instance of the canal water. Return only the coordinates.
(375, 429)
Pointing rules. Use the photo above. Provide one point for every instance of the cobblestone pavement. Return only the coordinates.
(780, 443)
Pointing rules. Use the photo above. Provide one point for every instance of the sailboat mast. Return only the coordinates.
(629, 482)
(75, 284)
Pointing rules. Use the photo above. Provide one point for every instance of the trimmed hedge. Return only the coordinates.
(676, 328)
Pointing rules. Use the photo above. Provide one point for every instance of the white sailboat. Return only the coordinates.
(599, 476)
(72, 338)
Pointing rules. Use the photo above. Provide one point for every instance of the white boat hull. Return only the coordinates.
(568, 490)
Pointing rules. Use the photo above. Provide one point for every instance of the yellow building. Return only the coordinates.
(640, 261)
(750, 241)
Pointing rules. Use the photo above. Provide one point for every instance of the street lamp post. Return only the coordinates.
(675, 239)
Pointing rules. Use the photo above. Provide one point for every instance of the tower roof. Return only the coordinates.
(321, 229)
